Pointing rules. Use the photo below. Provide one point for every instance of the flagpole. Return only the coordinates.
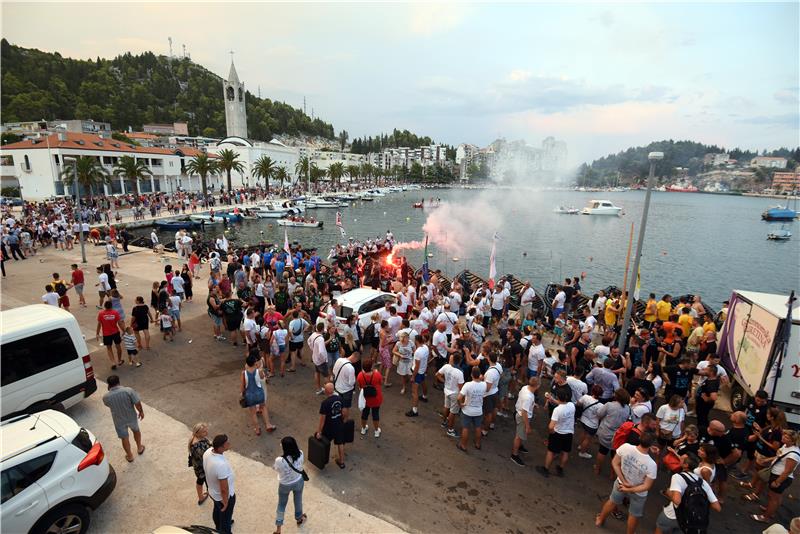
(628, 258)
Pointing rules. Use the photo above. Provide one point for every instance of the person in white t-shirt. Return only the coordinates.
(636, 472)
(50, 297)
(449, 320)
(526, 298)
(344, 381)
(102, 285)
(440, 344)
(419, 367)
(536, 356)
(319, 356)
(561, 428)
(490, 401)
(667, 522)
(525, 406)
(590, 419)
(471, 400)
(250, 330)
(589, 321)
(220, 478)
(298, 326)
(452, 377)
(455, 301)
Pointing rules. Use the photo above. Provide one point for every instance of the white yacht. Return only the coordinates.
(270, 210)
(324, 202)
(601, 207)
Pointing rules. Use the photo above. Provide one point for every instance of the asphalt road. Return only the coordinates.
(413, 475)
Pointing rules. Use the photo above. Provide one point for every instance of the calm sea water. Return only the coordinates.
(695, 243)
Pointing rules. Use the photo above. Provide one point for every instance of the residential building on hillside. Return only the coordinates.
(35, 165)
(67, 125)
(146, 139)
(769, 162)
(176, 128)
(427, 156)
(786, 181)
(715, 160)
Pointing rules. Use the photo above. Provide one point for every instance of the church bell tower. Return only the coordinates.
(235, 113)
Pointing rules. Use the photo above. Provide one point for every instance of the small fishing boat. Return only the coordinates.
(347, 197)
(418, 205)
(779, 213)
(601, 207)
(571, 210)
(300, 223)
(178, 225)
(782, 234)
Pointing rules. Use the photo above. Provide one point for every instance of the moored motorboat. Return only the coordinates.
(300, 223)
(324, 202)
(601, 207)
(781, 234)
(779, 213)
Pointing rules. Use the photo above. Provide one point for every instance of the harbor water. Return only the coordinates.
(695, 243)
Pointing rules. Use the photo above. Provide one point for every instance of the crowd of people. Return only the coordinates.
(647, 409)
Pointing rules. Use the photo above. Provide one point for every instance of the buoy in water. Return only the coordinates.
(455, 258)
(408, 219)
(430, 254)
(524, 254)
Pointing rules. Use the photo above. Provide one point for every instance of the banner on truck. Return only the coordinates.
(749, 335)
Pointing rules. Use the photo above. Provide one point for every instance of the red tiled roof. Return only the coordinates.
(82, 141)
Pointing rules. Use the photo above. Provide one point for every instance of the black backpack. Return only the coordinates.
(369, 335)
(60, 288)
(692, 513)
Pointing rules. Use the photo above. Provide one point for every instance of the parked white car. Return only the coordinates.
(362, 301)
(54, 473)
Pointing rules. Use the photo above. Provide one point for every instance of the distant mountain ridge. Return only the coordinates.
(131, 90)
(632, 165)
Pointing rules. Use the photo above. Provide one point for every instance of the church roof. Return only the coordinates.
(232, 76)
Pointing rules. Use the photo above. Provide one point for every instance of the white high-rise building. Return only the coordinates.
(235, 113)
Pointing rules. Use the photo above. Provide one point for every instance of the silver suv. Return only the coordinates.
(54, 473)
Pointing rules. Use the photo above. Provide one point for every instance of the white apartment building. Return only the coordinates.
(36, 164)
(250, 151)
(427, 156)
(769, 162)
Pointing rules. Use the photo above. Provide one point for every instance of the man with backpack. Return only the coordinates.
(636, 472)
(691, 498)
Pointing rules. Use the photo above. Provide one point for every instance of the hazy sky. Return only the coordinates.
(600, 76)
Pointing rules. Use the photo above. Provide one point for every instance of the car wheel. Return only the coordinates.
(68, 519)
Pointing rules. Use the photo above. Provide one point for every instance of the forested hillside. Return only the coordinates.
(131, 90)
(632, 165)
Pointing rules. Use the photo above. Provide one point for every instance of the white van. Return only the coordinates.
(44, 360)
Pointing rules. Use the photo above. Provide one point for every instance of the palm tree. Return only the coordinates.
(335, 172)
(281, 175)
(366, 171)
(130, 168)
(265, 168)
(316, 174)
(203, 165)
(228, 161)
(302, 170)
(353, 171)
(87, 172)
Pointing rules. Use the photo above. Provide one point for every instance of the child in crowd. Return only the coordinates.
(129, 340)
(166, 324)
(558, 330)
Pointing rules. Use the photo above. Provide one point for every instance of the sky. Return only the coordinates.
(600, 76)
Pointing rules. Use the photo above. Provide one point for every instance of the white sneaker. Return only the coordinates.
(585, 455)
(320, 391)
(377, 433)
(364, 431)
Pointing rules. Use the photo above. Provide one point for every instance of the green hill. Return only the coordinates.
(131, 90)
(631, 165)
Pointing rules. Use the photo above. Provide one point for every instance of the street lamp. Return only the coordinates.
(623, 338)
(78, 207)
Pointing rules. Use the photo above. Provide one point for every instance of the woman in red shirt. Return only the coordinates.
(370, 383)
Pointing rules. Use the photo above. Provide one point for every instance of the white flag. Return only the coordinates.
(286, 242)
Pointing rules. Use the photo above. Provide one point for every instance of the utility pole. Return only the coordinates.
(170, 46)
(623, 338)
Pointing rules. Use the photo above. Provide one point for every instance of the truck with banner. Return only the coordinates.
(759, 346)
